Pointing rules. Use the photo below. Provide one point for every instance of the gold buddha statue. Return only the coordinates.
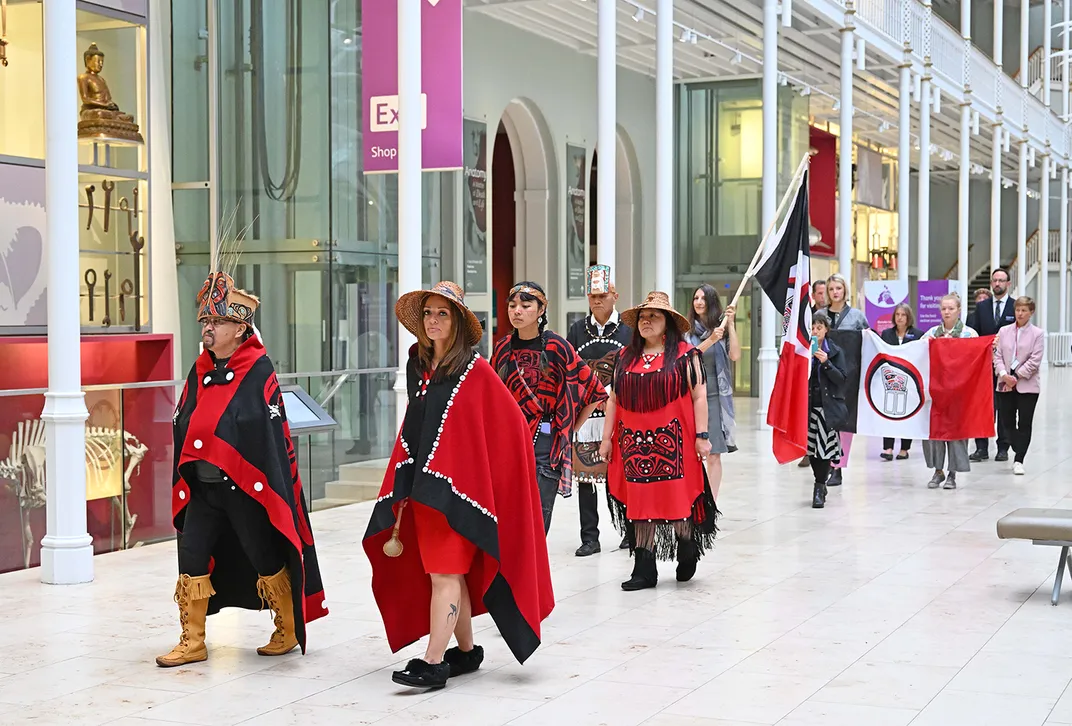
(100, 116)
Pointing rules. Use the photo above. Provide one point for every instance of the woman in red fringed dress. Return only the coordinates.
(656, 441)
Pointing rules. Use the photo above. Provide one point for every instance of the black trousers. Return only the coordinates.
(215, 508)
(983, 445)
(821, 469)
(1017, 412)
(888, 443)
(547, 477)
(588, 504)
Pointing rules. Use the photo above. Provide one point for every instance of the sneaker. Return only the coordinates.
(1018, 468)
(980, 455)
(1002, 456)
(462, 662)
(936, 480)
(950, 481)
(421, 674)
(588, 549)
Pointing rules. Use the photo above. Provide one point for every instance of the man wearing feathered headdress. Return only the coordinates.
(243, 525)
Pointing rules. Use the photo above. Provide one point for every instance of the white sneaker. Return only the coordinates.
(1018, 468)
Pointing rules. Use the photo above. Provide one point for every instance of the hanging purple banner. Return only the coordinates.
(441, 82)
(880, 298)
(928, 312)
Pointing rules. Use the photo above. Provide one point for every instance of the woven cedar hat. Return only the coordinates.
(656, 301)
(219, 298)
(410, 309)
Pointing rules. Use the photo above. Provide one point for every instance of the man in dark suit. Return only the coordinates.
(991, 316)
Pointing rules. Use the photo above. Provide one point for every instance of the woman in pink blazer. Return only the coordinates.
(1017, 357)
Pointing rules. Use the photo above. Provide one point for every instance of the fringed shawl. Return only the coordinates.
(650, 391)
(566, 387)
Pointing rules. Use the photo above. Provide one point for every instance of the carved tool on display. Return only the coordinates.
(89, 196)
(106, 321)
(124, 206)
(107, 186)
(136, 205)
(137, 244)
(91, 282)
(3, 33)
(126, 289)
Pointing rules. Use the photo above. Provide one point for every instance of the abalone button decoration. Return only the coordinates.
(258, 487)
(198, 444)
(182, 494)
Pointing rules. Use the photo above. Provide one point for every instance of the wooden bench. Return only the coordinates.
(1051, 527)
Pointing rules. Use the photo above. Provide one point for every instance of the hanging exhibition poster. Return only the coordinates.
(576, 219)
(880, 298)
(475, 208)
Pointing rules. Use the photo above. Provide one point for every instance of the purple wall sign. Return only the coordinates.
(880, 298)
(928, 310)
(441, 81)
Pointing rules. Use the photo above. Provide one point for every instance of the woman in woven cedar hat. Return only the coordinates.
(554, 388)
(457, 530)
(655, 441)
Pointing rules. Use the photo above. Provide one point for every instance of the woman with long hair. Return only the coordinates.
(843, 316)
(456, 530)
(904, 330)
(555, 389)
(655, 441)
(939, 454)
(717, 341)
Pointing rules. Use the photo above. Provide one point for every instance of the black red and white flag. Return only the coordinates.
(784, 273)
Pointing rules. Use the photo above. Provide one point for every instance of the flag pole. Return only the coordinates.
(750, 272)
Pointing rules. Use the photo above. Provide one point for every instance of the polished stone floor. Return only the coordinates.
(895, 605)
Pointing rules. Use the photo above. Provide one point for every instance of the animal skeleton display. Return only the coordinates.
(24, 469)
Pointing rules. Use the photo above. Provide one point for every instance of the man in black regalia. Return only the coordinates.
(597, 338)
(244, 538)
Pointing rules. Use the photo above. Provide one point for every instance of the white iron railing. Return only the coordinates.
(1059, 349)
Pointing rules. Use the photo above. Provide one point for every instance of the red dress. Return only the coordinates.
(654, 474)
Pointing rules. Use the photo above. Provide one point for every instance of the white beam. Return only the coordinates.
(844, 238)
(1063, 316)
(768, 355)
(1044, 246)
(664, 147)
(923, 257)
(904, 171)
(1047, 51)
(607, 141)
(1021, 221)
(995, 199)
(410, 208)
(963, 199)
(66, 548)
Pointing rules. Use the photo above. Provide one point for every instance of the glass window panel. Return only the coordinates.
(189, 92)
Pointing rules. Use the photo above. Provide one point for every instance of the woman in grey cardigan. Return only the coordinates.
(843, 316)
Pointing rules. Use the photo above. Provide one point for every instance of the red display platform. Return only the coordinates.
(144, 414)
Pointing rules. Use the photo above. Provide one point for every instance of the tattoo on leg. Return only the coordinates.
(453, 612)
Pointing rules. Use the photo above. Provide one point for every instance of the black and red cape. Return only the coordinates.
(466, 451)
(234, 419)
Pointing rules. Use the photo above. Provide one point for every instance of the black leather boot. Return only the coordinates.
(687, 557)
(645, 573)
(835, 478)
(818, 496)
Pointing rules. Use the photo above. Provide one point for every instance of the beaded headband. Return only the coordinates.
(528, 291)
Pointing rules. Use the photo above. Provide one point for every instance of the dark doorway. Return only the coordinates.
(503, 229)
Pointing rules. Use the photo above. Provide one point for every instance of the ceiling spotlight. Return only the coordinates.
(783, 79)
(638, 15)
(806, 91)
(837, 104)
(685, 35)
(737, 58)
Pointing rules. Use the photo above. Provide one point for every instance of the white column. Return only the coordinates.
(846, 253)
(963, 199)
(607, 141)
(904, 171)
(771, 320)
(410, 210)
(1021, 221)
(1063, 315)
(1066, 8)
(66, 548)
(1047, 50)
(995, 199)
(1044, 247)
(999, 32)
(923, 242)
(664, 147)
(1025, 25)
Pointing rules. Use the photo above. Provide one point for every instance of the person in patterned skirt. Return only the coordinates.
(827, 410)
(556, 391)
(597, 338)
(655, 442)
